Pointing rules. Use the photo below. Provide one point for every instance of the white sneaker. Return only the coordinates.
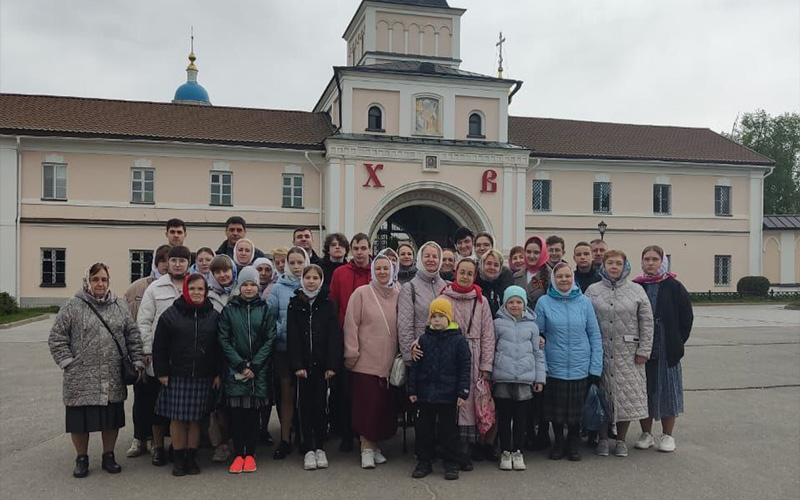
(367, 459)
(379, 458)
(310, 461)
(645, 441)
(517, 461)
(666, 443)
(322, 459)
(505, 461)
(221, 453)
(137, 449)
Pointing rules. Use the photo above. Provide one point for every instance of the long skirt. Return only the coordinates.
(664, 389)
(185, 399)
(374, 407)
(564, 400)
(86, 419)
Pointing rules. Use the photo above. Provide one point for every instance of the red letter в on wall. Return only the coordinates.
(488, 184)
(372, 172)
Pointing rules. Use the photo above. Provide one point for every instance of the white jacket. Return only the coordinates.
(158, 297)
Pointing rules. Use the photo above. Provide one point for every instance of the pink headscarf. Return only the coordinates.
(662, 273)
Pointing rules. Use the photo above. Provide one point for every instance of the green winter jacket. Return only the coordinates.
(246, 336)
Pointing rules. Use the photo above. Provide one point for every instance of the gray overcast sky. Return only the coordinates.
(677, 62)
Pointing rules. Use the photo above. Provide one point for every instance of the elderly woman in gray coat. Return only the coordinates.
(416, 295)
(626, 323)
(84, 348)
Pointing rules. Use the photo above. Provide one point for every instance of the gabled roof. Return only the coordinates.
(557, 138)
(105, 118)
(421, 68)
(782, 222)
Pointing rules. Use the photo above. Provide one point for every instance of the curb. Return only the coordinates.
(27, 321)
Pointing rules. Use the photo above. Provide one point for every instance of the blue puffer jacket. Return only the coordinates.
(443, 374)
(278, 300)
(517, 357)
(574, 348)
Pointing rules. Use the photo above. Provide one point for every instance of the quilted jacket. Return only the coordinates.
(412, 309)
(517, 358)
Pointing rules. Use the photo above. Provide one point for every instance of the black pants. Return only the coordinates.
(312, 403)
(446, 433)
(535, 418)
(341, 405)
(244, 430)
(512, 419)
(145, 395)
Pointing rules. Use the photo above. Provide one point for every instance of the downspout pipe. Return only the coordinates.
(17, 281)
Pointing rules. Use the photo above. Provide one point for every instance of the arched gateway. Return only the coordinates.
(425, 211)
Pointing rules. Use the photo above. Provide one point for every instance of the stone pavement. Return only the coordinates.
(739, 437)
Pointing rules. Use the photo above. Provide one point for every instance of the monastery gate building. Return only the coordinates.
(402, 142)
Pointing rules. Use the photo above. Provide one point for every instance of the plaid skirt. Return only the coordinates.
(468, 434)
(564, 400)
(185, 399)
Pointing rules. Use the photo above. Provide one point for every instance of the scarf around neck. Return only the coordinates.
(662, 273)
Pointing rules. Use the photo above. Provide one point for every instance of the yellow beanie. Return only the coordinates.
(441, 306)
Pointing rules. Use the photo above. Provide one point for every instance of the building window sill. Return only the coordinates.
(143, 203)
(375, 130)
(54, 199)
(476, 137)
(293, 208)
(220, 204)
(53, 285)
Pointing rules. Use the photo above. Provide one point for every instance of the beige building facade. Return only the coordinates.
(402, 143)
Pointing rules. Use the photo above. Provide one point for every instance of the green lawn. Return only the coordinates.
(27, 313)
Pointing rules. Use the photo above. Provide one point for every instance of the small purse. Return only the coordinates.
(399, 372)
(126, 368)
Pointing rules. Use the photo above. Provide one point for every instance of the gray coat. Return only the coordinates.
(623, 310)
(412, 309)
(517, 357)
(84, 349)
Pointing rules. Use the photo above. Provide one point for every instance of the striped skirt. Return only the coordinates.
(185, 399)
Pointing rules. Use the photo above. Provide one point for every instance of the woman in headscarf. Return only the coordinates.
(202, 262)
(533, 276)
(221, 281)
(88, 352)
(673, 317)
(472, 313)
(406, 269)
(266, 271)
(278, 302)
(370, 346)
(493, 279)
(574, 353)
(416, 296)
(244, 252)
(626, 324)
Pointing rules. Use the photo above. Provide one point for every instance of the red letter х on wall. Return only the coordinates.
(488, 184)
(373, 175)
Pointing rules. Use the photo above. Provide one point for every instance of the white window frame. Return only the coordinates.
(58, 168)
(601, 210)
(382, 128)
(221, 184)
(49, 256)
(146, 257)
(549, 184)
(142, 193)
(717, 211)
(293, 185)
(482, 133)
(660, 197)
(721, 261)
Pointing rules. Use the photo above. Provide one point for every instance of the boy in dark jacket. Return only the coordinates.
(439, 384)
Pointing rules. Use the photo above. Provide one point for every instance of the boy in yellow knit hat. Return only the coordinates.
(439, 383)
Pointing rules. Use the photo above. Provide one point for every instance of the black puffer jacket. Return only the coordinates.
(314, 339)
(328, 267)
(442, 375)
(493, 290)
(185, 343)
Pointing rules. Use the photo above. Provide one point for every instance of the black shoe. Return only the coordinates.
(159, 457)
(592, 438)
(191, 462)
(179, 463)
(266, 437)
(284, 449)
(109, 464)
(346, 446)
(466, 466)
(542, 441)
(422, 469)
(477, 452)
(490, 453)
(557, 451)
(573, 452)
(451, 473)
(170, 453)
(81, 469)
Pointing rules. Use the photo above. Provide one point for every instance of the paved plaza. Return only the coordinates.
(739, 437)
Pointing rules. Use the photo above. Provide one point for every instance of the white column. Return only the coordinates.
(503, 132)
(448, 115)
(405, 42)
(421, 41)
(508, 209)
(406, 107)
(756, 215)
(370, 31)
(8, 216)
(522, 182)
(436, 44)
(391, 36)
(346, 102)
(349, 198)
(455, 43)
(788, 249)
(333, 196)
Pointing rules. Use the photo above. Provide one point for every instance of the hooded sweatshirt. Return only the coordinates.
(345, 280)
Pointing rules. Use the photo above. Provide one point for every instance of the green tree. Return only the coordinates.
(777, 137)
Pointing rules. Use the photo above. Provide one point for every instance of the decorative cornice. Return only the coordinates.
(417, 152)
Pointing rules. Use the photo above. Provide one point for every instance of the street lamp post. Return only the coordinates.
(602, 229)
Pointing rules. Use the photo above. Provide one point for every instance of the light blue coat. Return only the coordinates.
(574, 347)
(278, 300)
(517, 357)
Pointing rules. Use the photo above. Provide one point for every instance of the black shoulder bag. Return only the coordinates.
(128, 371)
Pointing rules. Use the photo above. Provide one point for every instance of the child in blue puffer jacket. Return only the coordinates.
(519, 371)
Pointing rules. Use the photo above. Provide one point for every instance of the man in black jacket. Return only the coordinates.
(585, 272)
(235, 230)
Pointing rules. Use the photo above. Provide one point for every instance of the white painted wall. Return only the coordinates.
(8, 216)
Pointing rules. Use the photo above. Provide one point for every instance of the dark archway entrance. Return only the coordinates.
(418, 224)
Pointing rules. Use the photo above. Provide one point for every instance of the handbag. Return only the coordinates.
(484, 406)
(126, 368)
(399, 371)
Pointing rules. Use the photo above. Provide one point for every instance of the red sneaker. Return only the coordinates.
(250, 464)
(237, 466)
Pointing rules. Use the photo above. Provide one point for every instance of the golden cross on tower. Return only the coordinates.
(500, 45)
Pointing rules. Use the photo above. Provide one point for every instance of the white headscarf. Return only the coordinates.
(392, 276)
(252, 253)
(421, 267)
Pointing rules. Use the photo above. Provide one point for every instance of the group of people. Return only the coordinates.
(488, 355)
